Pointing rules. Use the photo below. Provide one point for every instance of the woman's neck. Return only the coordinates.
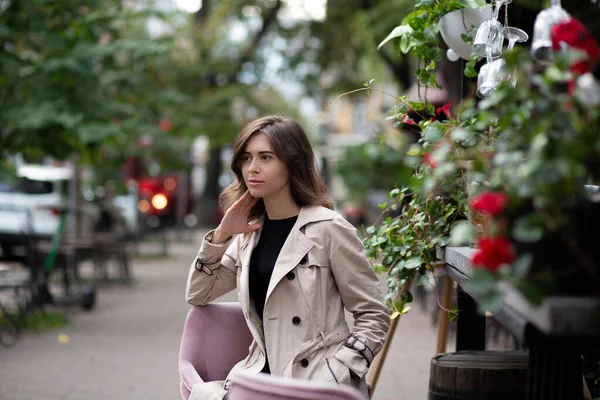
(281, 205)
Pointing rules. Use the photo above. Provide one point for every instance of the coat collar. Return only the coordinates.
(307, 215)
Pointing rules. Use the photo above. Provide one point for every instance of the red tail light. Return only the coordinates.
(54, 210)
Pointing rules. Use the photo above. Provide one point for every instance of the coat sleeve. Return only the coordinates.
(213, 272)
(360, 292)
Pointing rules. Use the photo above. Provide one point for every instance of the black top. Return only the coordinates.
(273, 236)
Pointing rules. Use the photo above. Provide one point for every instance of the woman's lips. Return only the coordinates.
(254, 182)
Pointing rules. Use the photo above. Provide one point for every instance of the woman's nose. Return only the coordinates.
(253, 166)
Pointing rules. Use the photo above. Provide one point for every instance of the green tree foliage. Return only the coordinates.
(373, 165)
(70, 75)
(343, 46)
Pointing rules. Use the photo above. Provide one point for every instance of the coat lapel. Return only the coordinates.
(245, 255)
(297, 245)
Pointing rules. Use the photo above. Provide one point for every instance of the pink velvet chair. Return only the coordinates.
(246, 386)
(215, 337)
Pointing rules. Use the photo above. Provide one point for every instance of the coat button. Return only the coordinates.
(304, 363)
(291, 276)
(304, 260)
(296, 320)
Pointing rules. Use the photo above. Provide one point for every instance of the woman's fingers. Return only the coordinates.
(252, 228)
(249, 200)
(244, 204)
(241, 202)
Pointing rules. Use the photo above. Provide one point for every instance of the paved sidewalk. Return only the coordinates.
(126, 349)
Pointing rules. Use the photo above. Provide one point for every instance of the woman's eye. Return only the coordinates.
(266, 158)
(245, 158)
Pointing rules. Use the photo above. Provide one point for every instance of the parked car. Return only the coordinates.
(33, 205)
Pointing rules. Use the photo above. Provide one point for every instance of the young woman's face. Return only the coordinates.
(264, 173)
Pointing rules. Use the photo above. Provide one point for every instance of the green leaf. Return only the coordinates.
(96, 132)
(481, 282)
(472, 3)
(379, 269)
(431, 33)
(491, 302)
(399, 31)
(437, 55)
(453, 315)
(528, 229)
(470, 70)
(531, 292)
(424, 3)
(432, 133)
(416, 22)
(522, 265)
(466, 38)
(423, 280)
(413, 263)
(415, 150)
(460, 134)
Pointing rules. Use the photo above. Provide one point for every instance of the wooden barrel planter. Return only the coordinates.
(479, 375)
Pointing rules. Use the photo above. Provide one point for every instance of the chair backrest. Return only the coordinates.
(215, 338)
(246, 386)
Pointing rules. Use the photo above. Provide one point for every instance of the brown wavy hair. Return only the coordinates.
(291, 145)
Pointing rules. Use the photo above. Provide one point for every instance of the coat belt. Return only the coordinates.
(336, 335)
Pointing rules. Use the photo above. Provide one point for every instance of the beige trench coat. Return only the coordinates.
(321, 269)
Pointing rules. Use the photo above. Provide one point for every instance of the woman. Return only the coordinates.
(295, 263)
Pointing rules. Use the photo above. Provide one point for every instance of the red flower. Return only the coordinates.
(492, 253)
(165, 125)
(574, 34)
(445, 109)
(407, 120)
(428, 161)
(491, 203)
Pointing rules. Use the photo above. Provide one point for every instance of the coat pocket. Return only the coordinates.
(314, 258)
(337, 371)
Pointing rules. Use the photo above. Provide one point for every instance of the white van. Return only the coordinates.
(33, 204)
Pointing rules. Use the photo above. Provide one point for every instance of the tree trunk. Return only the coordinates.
(207, 206)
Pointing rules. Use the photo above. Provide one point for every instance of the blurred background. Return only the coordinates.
(141, 100)
(116, 124)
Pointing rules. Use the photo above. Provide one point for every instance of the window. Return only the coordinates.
(29, 186)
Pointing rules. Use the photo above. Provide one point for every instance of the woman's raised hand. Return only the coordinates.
(235, 220)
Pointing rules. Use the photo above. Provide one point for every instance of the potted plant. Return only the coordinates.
(533, 185)
(507, 175)
(417, 219)
(418, 34)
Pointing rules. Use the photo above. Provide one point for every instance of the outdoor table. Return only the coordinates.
(554, 332)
